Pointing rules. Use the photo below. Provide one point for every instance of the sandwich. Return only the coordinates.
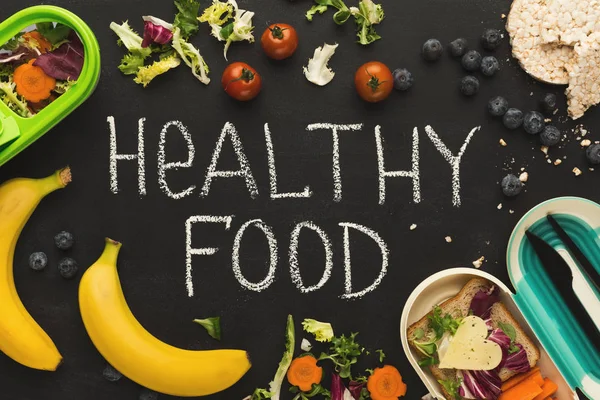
(471, 343)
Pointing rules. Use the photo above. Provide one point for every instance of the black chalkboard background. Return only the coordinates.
(152, 227)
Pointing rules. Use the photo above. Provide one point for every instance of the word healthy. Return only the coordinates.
(229, 132)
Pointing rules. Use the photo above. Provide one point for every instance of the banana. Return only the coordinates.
(21, 338)
(138, 355)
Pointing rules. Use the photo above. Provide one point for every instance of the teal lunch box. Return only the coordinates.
(566, 355)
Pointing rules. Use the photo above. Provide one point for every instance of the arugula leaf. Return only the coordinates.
(344, 352)
(260, 394)
(424, 362)
(226, 30)
(341, 15)
(6, 71)
(13, 43)
(451, 386)
(381, 355)
(212, 324)
(187, 17)
(53, 34)
(510, 331)
(314, 391)
(441, 324)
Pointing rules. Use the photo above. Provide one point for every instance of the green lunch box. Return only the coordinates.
(16, 132)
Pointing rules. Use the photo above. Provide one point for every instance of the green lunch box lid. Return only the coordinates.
(16, 132)
(548, 316)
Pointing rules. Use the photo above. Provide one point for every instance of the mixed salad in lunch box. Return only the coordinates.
(38, 65)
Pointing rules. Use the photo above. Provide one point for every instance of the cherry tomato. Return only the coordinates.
(373, 81)
(241, 81)
(279, 41)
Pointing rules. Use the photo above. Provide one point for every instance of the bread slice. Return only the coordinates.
(458, 306)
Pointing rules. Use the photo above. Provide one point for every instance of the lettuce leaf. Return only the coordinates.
(286, 360)
(146, 74)
(191, 57)
(187, 17)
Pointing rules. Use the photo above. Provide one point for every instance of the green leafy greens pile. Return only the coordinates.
(440, 325)
(343, 353)
(228, 22)
(366, 15)
(185, 25)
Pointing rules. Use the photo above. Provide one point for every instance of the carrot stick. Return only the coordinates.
(526, 390)
(518, 379)
(548, 389)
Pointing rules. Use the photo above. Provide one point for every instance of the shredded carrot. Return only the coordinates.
(32, 82)
(44, 45)
(548, 389)
(526, 390)
(519, 378)
(386, 384)
(304, 373)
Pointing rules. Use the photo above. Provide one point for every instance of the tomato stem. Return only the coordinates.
(246, 76)
(277, 32)
(373, 82)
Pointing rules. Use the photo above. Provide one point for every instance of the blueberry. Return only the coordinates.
(111, 374)
(549, 103)
(498, 106)
(511, 185)
(147, 394)
(533, 122)
(469, 85)
(64, 240)
(490, 39)
(593, 153)
(38, 261)
(67, 267)
(432, 50)
(550, 135)
(489, 65)
(513, 118)
(403, 79)
(471, 61)
(458, 47)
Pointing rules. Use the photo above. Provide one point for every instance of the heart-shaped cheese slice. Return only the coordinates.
(470, 350)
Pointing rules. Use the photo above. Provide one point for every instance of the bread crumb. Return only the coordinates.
(549, 161)
(511, 211)
(591, 169)
(448, 239)
(503, 16)
(558, 161)
(544, 149)
(477, 263)
(502, 142)
(499, 206)
(585, 143)
(577, 171)
(413, 227)
(522, 169)
(546, 120)
(524, 177)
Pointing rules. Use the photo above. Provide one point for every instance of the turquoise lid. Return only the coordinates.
(567, 345)
(16, 132)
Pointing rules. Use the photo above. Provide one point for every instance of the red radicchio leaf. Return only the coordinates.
(337, 387)
(355, 388)
(482, 302)
(64, 62)
(154, 32)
